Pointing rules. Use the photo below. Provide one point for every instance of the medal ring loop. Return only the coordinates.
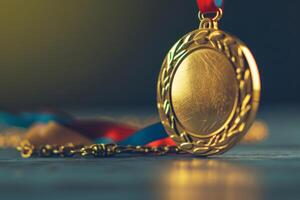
(217, 17)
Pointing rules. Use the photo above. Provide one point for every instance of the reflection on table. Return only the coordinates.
(210, 179)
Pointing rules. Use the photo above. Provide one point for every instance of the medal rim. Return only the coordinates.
(192, 139)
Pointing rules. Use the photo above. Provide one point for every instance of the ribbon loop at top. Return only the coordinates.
(209, 6)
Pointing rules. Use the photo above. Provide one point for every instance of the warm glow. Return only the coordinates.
(210, 179)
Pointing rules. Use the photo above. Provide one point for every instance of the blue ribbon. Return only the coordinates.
(146, 135)
(219, 3)
(27, 119)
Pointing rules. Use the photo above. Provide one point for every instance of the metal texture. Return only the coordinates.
(211, 99)
(208, 90)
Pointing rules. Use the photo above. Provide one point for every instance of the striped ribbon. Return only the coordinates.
(97, 130)
(208, 6)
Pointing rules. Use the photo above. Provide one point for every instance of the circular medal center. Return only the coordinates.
(204, 92)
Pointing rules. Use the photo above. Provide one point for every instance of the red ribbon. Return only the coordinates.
(209, 6)
(162, 142)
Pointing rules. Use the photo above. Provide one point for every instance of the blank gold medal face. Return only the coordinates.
(204, 91)
(208, 91)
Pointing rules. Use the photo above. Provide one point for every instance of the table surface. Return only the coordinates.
(270, 170)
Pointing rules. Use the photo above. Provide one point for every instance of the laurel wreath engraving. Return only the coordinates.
(227, 45)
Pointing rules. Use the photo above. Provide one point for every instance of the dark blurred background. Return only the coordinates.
(107, 53)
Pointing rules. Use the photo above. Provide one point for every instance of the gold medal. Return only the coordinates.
(208, 90)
